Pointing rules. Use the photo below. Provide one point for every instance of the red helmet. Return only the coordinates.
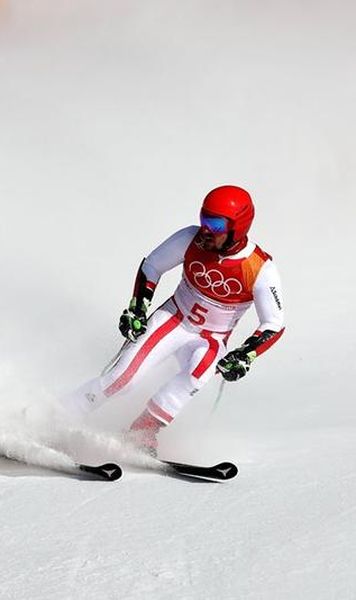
(235, 204)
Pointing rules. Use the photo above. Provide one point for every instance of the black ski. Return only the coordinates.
(218, 473)
(109, 471)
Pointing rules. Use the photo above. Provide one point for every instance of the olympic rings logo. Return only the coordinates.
(214, 279)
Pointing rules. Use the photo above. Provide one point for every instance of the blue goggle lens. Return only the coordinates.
(215, 224)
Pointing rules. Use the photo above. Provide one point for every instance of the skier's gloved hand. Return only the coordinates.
(133, 321)
(131, 325)
(236, 364)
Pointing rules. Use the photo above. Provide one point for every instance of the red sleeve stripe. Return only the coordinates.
(137, 286)
(143, 352)
(208, 357)
(266, 345)
(151, 285)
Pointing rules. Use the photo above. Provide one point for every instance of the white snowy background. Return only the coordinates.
(116, 118)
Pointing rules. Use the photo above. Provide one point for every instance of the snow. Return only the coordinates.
(115, 119)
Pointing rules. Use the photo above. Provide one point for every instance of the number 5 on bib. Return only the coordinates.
(198, 313)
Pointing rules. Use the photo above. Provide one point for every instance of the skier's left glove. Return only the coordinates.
(133, 322)
(236, 364)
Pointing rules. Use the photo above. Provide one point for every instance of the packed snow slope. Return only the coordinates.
(116, 118)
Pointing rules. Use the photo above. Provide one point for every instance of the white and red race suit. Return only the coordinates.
(194, 324)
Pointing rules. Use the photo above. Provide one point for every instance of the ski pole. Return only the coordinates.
(219, 395)
(115, 359)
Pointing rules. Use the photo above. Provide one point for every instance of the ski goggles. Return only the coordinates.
(215, 224)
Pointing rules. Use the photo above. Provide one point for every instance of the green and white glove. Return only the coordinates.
(236, 364)
(133, 321)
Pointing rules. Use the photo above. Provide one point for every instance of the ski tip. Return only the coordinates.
(108, 471)
(228, 470)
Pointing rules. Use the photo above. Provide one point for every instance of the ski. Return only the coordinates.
(217, 473)
(108, 471)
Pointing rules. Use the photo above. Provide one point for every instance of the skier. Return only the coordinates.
(224, 273)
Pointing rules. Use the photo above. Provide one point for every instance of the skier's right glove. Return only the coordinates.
(133, 322)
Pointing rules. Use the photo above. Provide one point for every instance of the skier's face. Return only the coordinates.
(212, 241)
(214, 231)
